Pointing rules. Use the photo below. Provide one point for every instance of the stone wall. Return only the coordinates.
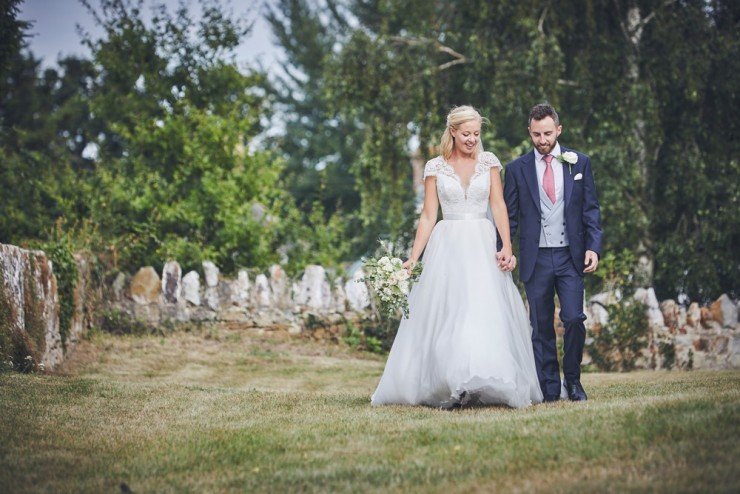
(29, 310)
(701, 337)
(696, 337)
(264, 300)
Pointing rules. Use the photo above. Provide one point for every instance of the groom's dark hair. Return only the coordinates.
(543, 110)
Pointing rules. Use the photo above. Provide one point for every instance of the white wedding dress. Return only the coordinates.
(467, 338)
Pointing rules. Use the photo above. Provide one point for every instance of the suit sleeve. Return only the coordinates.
(591, 211)
(511, 197)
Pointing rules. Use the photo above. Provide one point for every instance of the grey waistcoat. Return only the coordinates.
(552, 233)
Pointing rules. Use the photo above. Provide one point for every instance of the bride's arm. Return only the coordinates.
(500, 215)
(427, 220)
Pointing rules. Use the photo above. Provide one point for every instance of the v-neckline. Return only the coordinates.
(459, 178)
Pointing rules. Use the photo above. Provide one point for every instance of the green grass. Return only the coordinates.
(229, 411)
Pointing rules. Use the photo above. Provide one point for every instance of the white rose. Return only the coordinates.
(404, 286)
(570, 157)
(402, 275)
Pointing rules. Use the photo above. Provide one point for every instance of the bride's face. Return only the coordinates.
(467, 137)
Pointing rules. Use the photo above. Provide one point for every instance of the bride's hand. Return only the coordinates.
(504, 257)
(409, 265)
(509, 265)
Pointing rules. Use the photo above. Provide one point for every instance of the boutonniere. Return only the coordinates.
(568, 157)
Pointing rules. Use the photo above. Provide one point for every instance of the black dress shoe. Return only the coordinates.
(549, 399)
(450, 405)
(575, 391)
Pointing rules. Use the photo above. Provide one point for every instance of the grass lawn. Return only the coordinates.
(222, 410)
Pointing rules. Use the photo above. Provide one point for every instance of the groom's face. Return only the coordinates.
(544, 134)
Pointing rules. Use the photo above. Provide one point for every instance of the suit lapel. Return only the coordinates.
(530, 176)
(567, 178)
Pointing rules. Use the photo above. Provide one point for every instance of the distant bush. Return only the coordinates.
(617, 345)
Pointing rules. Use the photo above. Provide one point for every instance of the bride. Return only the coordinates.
(467, 340)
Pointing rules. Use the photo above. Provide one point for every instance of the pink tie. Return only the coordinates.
(548, 179)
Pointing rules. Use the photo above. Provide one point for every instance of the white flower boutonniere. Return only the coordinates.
(569, 157)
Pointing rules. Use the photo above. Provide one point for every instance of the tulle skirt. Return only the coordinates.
(467, 337)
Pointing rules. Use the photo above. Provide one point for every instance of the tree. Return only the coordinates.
(641, 86)
(11, 32)
(43, 132)
(317, 144)
(176, 177)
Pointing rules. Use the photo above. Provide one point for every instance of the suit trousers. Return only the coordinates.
(556, 272)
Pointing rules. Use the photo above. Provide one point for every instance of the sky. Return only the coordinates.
(55, 33)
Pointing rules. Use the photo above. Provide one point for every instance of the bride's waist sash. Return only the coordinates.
(464, 216)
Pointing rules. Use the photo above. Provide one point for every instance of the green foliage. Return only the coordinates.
(314, 238)
(11, 32)
(616, 273)
(318, 145)
(42, 135)
(617, 345)
(178, 177)
(186, 190)
(173, 121)
(651, 102)
(667, 350)
(60, 252)
(358, 339)
(118, 322)
(180, 170)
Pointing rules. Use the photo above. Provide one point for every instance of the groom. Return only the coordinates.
(551, 198)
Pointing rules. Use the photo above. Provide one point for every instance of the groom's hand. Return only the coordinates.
(505, 264)
(512, 263)
(591, 261)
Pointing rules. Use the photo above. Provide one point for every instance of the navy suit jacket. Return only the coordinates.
(582, 213)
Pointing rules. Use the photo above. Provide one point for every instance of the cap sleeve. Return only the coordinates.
(431, 169)
(489, 160)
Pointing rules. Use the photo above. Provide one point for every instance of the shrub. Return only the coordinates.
(65, 269)
(668, 351)
(617, 345)
(119, 322)
(361, 338)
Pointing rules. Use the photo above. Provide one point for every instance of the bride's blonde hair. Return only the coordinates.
(458, 116)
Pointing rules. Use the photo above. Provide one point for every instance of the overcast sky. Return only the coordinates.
(55, 34)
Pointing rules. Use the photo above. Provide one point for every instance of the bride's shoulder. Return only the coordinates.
(433, 166)
(489, 160)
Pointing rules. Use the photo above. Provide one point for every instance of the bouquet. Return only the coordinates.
(390, 282)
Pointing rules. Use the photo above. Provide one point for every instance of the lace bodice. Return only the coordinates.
(454, 197)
